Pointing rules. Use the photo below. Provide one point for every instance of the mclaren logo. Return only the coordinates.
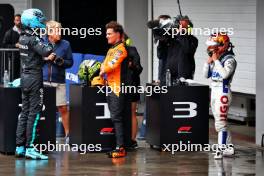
(184, 129)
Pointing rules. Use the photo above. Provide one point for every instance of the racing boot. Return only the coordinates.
(224, 142)
(117, 153)
(229, 151)
(20, 151)
(31, 153)
(218, 154)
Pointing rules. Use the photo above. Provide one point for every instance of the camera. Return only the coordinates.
(165, 24)
(59, 61)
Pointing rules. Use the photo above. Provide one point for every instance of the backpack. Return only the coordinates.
(131, 67)
(134, 58)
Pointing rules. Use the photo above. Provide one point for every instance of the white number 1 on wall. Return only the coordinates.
(106, 111)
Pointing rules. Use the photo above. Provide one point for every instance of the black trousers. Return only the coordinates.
(116, 106)
(32, 102)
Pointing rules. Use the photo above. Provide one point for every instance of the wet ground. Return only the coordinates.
(249, 160)
(143, 162)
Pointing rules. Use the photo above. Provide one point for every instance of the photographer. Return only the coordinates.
(10, 40)
(162, 48)
(134, 71)
(180, 47)
(54, 70)
(181, 52)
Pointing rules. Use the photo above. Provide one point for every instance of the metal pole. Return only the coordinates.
(152, 41)
(179, 5)
(4, 61)
(12, 63)
(9, 66)
(2, 66)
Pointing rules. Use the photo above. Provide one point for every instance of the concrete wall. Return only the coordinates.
(260, 73)
(46, 6)
(133, 15)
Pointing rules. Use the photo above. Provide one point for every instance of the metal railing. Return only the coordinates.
(7, 58)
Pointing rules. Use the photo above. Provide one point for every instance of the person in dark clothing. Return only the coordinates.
(181, 50)
(32, 51)
(162, 41)
(162, 52)
(134, 71)
(11, 36)
(180, 59)
(10, 40)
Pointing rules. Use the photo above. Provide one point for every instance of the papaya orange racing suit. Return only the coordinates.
(112, 66)
(116, 101)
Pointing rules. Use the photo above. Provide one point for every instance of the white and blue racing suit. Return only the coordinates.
(221, 72)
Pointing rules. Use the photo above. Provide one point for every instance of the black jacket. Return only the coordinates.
(10, 39)
(162, 50)
(180, 58)
(134, 71)
(32, 51)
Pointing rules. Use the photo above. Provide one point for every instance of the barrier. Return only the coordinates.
(7, 57)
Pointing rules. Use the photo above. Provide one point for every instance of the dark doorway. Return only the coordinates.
(6, 22)
(92, 15)
(6, 19)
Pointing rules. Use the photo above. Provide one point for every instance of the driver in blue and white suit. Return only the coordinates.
(220, 67)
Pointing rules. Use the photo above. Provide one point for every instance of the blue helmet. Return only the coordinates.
(33, 18)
